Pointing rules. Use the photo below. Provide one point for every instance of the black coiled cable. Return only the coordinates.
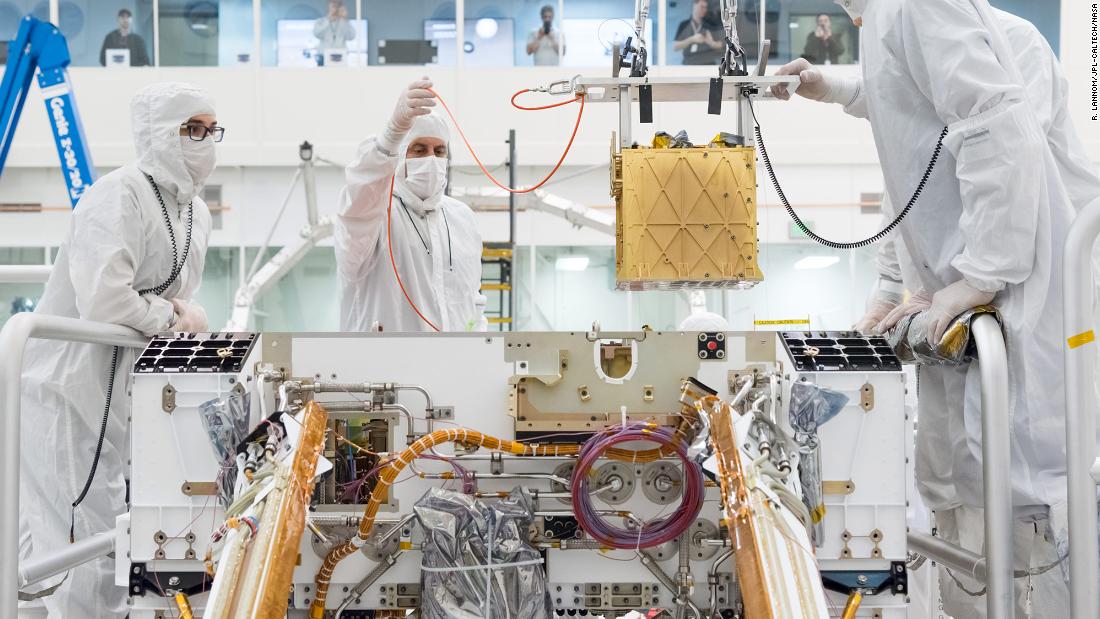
(865, 242)
(177, 268)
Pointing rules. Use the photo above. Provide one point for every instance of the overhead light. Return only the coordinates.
(571, 263)
(810, 263)
(486, 28)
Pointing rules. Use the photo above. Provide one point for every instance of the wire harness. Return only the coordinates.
(644, 534)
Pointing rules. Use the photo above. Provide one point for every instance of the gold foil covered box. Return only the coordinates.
(685, 218)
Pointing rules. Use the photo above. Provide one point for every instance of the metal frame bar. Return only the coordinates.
(995, 568)
(13, 340)
(36, 570)
(1078, 288)
(25, 273)
(996, 465)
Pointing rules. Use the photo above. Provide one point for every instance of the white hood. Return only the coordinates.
(158, 111)
(430, 126)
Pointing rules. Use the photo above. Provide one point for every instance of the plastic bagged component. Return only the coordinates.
(811, 407)
(662, 139)
(226, 422)
(477, 560)
(909, 338)
(727, 140)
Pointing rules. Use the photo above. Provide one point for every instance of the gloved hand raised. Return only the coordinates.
(815, 85)
(949, 303)
(916, 303)
(190, 317)
(416, 100)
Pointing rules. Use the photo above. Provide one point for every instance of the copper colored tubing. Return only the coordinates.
(391, 470)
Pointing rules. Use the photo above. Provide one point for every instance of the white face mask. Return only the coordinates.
(199, 158)
(854, 8)
(426, 177)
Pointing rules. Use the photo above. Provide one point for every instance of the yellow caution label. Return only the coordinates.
(770, 323)
(1081, 339)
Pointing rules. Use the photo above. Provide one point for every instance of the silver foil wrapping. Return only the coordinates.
(811, 407)
(226, 423)
(477, 561)
(909, 338)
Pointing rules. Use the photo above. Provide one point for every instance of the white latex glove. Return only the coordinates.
(416, 100)
(916, 303)
(190, 317)
(815, 85)
(948, 303)
(878, 310)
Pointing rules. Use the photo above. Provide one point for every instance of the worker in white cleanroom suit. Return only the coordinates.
(134, 257)
(394, 220)
(701, 319)
(988, 228)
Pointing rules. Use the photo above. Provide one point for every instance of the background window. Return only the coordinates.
(787, 25)
(593, 27)
(118, 32)
(204, 33)
(11, 12)
(298, 34)
(401, 32)
(17, 298)
(1047, 17)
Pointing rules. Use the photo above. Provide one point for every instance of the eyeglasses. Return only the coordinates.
(198, 133)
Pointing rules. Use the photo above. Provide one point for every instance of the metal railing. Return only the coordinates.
(18, 330)
(24, 273)
(995, 568)
(1081, 409)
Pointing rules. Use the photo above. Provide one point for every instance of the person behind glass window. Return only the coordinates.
(546, 44)
(822, 45)
(333, 31)
(700, 38)
(124, 38)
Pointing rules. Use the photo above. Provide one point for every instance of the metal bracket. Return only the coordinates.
(838, 488)
(894, 580)
(160, 538)
(441, 412)
(496, 463)
(867, 397)
(734, 376)
(143, 581)
(168, 399)
(875, 536)
(199, 488)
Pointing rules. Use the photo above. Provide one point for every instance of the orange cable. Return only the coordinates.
(389, 208)
(389, 243)
(539, 107)
(576, 127)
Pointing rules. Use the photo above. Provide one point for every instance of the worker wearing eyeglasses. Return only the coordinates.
(134, 257)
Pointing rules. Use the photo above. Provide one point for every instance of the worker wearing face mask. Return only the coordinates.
(988, 229)
(134, 257)
(412, 263)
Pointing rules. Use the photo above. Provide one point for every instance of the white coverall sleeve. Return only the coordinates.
(997, 147)
(107, 243)
(856, 100)
(361, 221)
